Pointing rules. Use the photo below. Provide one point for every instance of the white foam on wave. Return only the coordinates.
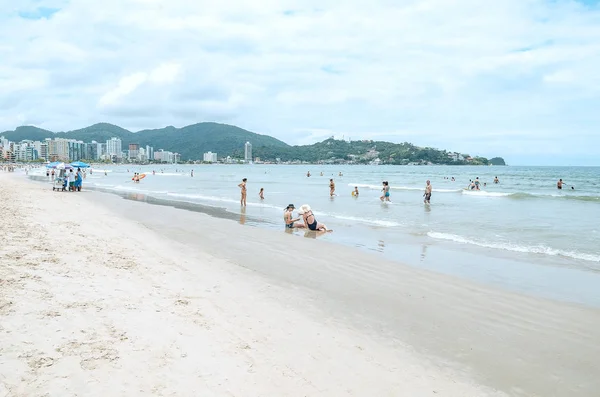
(377, 222)
(540, 249)
(376, 187)
(220, 199)
(481, 193)
(121, 188)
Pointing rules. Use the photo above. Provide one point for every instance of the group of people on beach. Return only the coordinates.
(73, 181)
(306, 220)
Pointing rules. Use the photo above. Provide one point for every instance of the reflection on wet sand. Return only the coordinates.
(313, 233)
(423, 252)
(136, 196)
(243, 216)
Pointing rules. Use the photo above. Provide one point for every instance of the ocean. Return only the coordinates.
(522, 234)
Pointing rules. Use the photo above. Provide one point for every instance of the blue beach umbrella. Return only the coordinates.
(52, 165)
(79, 164)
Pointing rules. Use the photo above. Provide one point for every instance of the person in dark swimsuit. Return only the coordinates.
(559, 184)
(309, 218)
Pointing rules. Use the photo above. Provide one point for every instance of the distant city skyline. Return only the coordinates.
(512, 78)
(69, 150)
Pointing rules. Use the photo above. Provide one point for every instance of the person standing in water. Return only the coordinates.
(308, 174)
(331, 188)
(496, 180)
(559, 184)
(355, 191)
(427, 194)
(261, 194)
(192, 173)
(242, 187)
(386, 192)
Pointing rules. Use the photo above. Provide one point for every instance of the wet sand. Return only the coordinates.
(104, 296)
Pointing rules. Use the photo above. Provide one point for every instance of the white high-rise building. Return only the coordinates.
(149, 152)
(248, 152)
(58, 149)
(114, 147)
(210, 157)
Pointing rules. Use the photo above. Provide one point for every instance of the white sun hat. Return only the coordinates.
(304, 208)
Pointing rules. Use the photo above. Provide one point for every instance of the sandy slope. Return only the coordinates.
(92, 304)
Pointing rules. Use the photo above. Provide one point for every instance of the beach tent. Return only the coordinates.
(80, 164)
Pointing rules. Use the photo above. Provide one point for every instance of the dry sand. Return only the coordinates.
(105, 297)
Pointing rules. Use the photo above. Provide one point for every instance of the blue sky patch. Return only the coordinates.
(39, 13)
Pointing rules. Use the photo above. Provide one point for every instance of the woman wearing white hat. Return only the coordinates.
(309, 218)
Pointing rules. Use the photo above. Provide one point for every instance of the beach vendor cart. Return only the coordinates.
(60, 181)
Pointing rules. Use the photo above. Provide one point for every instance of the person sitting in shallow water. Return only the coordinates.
(290, 221)
(309, 219)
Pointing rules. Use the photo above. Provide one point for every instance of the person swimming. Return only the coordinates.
(309, 219)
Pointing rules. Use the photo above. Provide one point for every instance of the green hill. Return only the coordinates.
(27, 132)
(227, 140)
(194, 140)
(191, 141)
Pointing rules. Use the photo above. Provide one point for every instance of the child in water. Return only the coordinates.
(261, 194)
(355, 191)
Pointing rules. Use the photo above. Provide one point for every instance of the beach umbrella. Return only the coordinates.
(63, 166)
(80, 164)
(53, 164)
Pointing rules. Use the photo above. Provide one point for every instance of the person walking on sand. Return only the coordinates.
(331, 188)
(290, 221)
(261, 194)
(242, 187)
(427, 194)
(309, 219)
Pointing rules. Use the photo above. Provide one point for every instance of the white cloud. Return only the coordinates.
(126, 86)
(455, 74)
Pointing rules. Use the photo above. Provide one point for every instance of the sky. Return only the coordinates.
(513, 78)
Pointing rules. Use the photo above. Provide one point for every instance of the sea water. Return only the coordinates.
(522, 233)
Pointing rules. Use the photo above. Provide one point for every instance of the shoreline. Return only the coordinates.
(170, 282)
(508, 271)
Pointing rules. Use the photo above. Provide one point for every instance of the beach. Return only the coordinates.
(104, 296)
